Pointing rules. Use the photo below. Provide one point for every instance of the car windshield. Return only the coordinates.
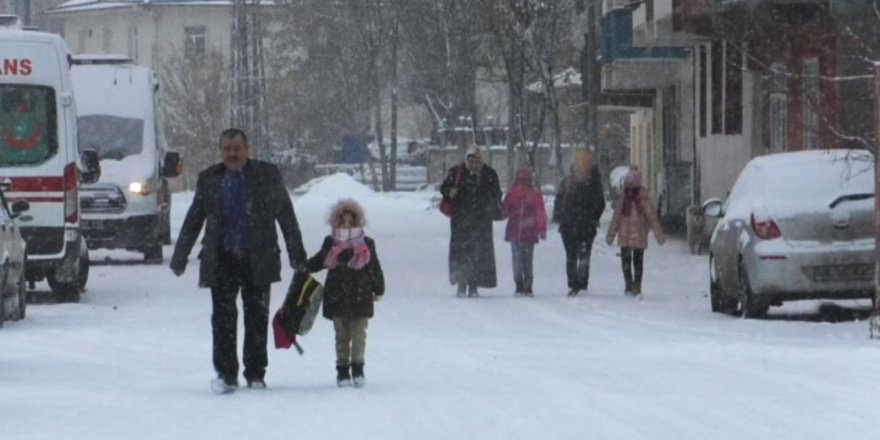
(113, 137)
(28, 133)
(828, 181)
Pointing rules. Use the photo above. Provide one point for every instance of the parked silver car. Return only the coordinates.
(13, 259)
(796, 225)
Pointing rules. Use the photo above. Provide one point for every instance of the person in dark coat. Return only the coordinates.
(475, 194)
(238, 202)
(354, 281)
(577, 208)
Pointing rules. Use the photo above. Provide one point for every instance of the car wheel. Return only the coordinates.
(64, 292)
(749, 306)
(720, 302)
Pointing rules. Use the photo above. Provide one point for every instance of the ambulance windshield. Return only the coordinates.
(113, 137)
(28, 133)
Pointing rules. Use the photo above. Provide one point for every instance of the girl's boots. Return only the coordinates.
(343, 378)
(357, 374)
(527, 287)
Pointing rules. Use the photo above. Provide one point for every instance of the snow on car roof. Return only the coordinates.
(802, 181)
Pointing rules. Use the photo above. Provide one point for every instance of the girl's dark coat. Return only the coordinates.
(348, 293)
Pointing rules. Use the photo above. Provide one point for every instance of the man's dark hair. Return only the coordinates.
(232, 133)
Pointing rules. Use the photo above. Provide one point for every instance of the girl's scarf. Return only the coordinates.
(349, 238)
(631, 198)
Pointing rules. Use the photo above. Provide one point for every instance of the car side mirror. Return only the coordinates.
(172, 166)
(713, 208)
(19, 206)
(91, 166)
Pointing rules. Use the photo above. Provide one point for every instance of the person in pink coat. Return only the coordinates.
(633, 217)
(523, 206)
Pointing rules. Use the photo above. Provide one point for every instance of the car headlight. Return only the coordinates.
(138, 188)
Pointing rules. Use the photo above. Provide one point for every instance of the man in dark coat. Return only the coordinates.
(577, 208)
(238, 202)
(475, 194)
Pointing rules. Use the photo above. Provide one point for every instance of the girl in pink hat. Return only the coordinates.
(526, 224)
(633, 217)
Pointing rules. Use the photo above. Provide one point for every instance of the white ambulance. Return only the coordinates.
(39, 157)
(119, 116)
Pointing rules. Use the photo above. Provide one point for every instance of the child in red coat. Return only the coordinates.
(526, 224)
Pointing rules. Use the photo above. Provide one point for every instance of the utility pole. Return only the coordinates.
(248, 77)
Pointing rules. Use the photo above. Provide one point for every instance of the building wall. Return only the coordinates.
(160, 31)
(792, 48)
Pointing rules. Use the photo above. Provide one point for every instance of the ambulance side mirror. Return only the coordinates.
(19, 206)
(91, 166)
(172, 166)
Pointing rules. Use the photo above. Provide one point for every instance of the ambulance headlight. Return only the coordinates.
(137, 188)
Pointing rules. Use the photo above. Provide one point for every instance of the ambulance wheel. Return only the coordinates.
(64, 292)
(84, 264)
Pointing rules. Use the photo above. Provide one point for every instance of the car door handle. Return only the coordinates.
(5, 184)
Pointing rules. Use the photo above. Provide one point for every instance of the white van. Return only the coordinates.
(39, 158)
(118, 116)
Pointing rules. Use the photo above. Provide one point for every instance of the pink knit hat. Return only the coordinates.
(633, 177)
(523, 175)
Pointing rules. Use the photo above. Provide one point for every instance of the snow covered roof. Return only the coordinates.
(566, 78)
(92, 5)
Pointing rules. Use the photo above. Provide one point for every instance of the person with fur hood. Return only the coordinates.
(523, 206)
(354, 281)
(633, 217)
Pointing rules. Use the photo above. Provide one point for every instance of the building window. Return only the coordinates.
(723, 75)
(717, 71)
(133, 43)
(195, 43)
(778, 107)
(811, 104)
(702, 96)
(733, 90)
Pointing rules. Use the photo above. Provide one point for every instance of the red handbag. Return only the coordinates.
(446, 204)
(446, 207)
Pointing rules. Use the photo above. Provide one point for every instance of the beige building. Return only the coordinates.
(148, 32)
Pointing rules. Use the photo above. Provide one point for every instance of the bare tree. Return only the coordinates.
(196, 100)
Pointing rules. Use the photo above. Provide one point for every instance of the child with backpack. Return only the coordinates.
(523, 206)
(354, 281)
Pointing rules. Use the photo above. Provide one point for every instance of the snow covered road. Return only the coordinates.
(133, 360)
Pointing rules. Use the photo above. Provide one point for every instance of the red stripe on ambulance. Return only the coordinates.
(37, 184)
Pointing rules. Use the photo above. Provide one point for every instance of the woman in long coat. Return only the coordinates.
(473, 189)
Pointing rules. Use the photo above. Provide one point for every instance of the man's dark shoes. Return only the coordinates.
(256, 384)
(224, 385)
